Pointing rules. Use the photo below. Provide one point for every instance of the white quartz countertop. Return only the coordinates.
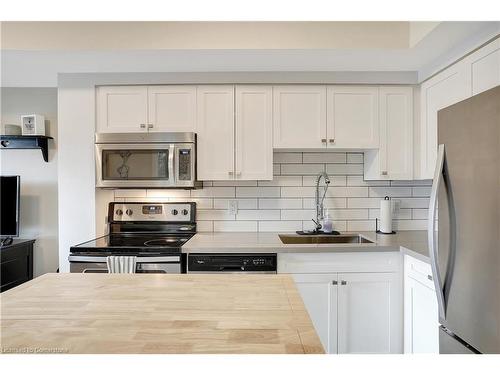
(412, 242)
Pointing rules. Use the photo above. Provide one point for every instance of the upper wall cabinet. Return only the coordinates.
(122, 109)
(172, 108)
(215, 130)
(443, 90)
(299, 116)
(353, 117)
(485, 67)
(394, 159)
(254, 132)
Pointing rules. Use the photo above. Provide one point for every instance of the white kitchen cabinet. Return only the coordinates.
(319, 293)
(353, 117)
(485, 67)
(121, 109)
(394, 159)
(420, 308)
(299, 116)
(447, 88)
(215, 130)
(353, 299)
(254, 133)
(172, 108)
(369, 316)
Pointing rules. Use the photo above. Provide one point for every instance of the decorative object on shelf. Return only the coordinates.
(385, 217)
(33, 125)
(11, 129)
(26, 142)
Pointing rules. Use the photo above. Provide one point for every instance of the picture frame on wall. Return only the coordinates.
(33, 124)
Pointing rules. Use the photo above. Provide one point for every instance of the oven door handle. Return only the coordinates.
(165, 259)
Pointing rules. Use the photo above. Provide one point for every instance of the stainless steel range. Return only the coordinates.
(152, 232)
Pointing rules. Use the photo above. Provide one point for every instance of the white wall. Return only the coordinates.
(38, 179)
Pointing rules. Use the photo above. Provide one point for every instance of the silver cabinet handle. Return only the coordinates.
(143, 126)
(429, 277)
(343, 282)
(230, 173)
(323, 140)
(238, 173)
(334, 282)
(150, 126)
(431, 235)
(384, 173)
(331, 140)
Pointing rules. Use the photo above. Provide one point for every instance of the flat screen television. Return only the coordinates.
(9, 192)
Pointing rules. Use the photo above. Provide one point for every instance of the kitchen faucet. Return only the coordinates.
(319, 204)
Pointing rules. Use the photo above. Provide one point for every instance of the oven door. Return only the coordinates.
(135, 165)
(89, 264)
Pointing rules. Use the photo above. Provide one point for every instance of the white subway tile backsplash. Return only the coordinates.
(287, 203)
(258, 215)
(302, 169)
(283, 181)
(235, 226)
(324, 157)
(344, 169)
(287, 157)
(243, 203)
(279, 226)
(258, 192)
(280, 203)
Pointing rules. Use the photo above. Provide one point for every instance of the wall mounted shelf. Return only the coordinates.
(26, 142)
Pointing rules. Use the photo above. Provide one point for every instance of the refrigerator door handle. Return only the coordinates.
(431, 233)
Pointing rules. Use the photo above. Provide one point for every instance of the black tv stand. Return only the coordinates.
(16, 263)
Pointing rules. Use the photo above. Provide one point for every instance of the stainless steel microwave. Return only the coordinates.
(146, 160)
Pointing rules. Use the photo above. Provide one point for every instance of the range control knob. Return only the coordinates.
(129, 212)
(174, 212)
(119, 212)
(185, 212)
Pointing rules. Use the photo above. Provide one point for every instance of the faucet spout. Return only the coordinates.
(319, 202)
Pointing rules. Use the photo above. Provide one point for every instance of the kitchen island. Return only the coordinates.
(152, 313)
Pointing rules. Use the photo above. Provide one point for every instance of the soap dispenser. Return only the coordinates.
(327, 223)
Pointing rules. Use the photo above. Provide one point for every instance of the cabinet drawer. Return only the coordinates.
(419, 271)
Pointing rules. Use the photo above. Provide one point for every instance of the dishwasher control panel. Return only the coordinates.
(205, 263)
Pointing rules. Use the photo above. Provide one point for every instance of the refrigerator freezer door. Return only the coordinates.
(469, 228)
(451, 345)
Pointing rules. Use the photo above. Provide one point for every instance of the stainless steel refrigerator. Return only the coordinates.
(465, 248)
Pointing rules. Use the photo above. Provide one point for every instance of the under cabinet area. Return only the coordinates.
(354, 300)
(420, 308)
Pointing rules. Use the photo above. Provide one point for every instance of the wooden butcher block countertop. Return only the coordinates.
(152, 313)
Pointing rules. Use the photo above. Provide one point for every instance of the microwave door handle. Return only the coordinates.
(171, 169)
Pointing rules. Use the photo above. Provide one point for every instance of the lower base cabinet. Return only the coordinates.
(421, 324)
(354, 312)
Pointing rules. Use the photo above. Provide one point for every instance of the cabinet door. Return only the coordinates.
(369, 313)
(485, 67)
(121, 109)
(254, 133)
(215, 131)
(172, 108)
(420, 318)
(443, 90)
(352, 113)
(299, 116)
(319, 293)
(394, 159)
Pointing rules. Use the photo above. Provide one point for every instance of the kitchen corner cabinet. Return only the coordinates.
(420, 308)
(352, 312)
(234, 129)
(394, 159)
(299, 116)
(124, 109)
(353, 117)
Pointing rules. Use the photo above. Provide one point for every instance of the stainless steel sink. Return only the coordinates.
(296, 239)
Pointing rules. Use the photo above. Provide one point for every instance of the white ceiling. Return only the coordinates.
(429, 48)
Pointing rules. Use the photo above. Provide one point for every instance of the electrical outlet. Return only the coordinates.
(232, 206)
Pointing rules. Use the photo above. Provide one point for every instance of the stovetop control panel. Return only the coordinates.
(144, 211)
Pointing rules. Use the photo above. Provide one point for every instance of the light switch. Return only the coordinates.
(233, 207)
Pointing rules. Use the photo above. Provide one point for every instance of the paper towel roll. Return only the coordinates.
(386, 215)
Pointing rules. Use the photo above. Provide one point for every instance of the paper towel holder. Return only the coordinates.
(376, 225)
